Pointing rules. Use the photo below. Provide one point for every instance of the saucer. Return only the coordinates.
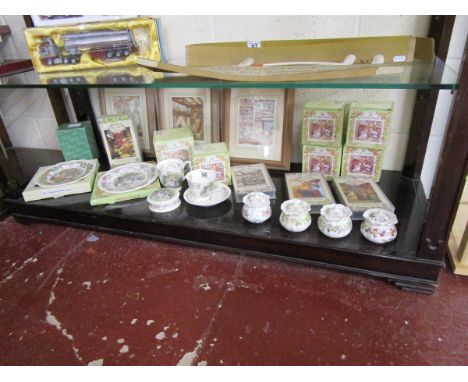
(218, 194)
(167, 209)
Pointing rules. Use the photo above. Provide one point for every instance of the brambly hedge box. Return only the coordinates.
(321, 160)
(213, 156)
(322, 123)
(33, 192)
(174, 143)
(360, 162)
(77, 141)
(369, 124)
(93, 45)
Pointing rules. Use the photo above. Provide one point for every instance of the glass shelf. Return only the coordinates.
(418, 75)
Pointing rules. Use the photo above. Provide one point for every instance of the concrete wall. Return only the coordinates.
(30, 122)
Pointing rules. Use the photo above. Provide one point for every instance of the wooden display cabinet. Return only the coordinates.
(412, 261)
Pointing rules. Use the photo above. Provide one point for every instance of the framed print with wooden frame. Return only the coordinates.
(258, 126)
(197, 109)
(140, 104)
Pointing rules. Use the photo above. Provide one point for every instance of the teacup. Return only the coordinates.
(201, 182)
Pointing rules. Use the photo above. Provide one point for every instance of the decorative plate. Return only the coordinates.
(128, 177)
(64, 173)
(218, 194)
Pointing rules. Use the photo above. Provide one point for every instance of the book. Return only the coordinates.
(312, 188)
(252, 178)
(361, 194)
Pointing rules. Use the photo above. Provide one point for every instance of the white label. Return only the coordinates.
(72, 125)
(254, 44)
(399, 59)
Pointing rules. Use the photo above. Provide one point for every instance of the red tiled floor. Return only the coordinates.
(75, 297)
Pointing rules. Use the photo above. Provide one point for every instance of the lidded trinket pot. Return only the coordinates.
(379, 225)
(295, 215)
(335, 221)
(256, 207)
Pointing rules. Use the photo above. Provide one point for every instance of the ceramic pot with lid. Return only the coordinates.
(257, 208)
(379, 225)
(164, 200)
(335, 221)
(295, 215)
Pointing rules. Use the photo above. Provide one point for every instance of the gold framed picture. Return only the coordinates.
(140, 104)
(258, 126)
(197, 109)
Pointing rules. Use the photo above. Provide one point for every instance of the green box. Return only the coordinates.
(77, 141)
(321, 160)
(174, 143)
(99, 197)
(369, 124)
(361, 162)
(322, 123)
(213, 156)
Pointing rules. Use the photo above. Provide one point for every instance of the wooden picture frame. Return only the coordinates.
(205, 127)
(239, 112)
(140, 103)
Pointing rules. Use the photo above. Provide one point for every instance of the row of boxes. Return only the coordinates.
(365, 138)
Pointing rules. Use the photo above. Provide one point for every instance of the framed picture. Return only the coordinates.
(312, 188)
(258, 125)
(197, 109)
(120, 139)
(360, 194)
(140, 104)
(52, 20)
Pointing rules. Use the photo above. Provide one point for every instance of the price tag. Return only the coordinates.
(399, 59)
(254, 44)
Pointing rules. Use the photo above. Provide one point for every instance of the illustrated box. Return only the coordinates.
(369, 124)
(93, 45)
(321, 160)
(312, 188)
(77, 141)
(322, 123)
(252, 178)
(213, 156)
(361, 194)
(33, 192)
(359, 162)
(99, 197)
(174, 143)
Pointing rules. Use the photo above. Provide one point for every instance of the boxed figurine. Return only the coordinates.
(174, 143)
(321, 160)
(213, 156)
(322, 123)
(77, 141)
(369, 124)
(359, 162)
(93, 45)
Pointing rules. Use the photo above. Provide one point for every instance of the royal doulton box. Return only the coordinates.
(213, 156)
(322, 123)
(369, 124)
(77, 141)
(321, 160)
(174, 143)
(363, 163)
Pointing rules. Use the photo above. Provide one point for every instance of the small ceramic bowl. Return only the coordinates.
(164, 200)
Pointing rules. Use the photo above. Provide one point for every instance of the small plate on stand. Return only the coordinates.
(218, 194)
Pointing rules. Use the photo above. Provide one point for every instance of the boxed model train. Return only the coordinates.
(100, 45)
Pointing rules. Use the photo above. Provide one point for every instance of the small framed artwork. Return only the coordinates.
(120, 139)
(252, 178)
(312, 188)
(197, 109)
(258, 126)
(140, 104)
(360, 194)
(362, 162)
